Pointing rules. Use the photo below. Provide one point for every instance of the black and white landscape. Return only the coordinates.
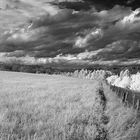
(70, 70)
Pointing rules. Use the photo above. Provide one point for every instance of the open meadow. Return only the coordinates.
(69, 69)
(56, 107)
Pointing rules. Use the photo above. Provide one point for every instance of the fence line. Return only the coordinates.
(128, 97)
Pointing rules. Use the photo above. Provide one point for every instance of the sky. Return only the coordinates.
(72, 30)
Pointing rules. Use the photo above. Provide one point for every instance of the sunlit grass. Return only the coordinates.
(43, 107)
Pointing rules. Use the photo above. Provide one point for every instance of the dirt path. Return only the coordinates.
(93, 125)
(102, 131)
(123, 121)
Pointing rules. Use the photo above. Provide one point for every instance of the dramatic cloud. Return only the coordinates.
(83, 35)
(93, 35)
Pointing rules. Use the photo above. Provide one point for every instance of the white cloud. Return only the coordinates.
(132, 17)
(82, 42)
(88, 55)
(66, 57)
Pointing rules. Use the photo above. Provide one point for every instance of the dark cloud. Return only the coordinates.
(80, 5)
(108, 4)
(55, 34)
(97, 4)
(87, 34)
(122, 49)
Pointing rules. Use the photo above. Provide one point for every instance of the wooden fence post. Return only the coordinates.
(114, 88)
(126, 95)
(111, 87)
(133, 101)
(138, 103)
(118, 91)
(122, 96)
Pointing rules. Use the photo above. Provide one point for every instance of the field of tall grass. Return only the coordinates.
(79, 106)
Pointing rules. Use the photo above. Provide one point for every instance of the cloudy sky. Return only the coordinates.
(72, 30)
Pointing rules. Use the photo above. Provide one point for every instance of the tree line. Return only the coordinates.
(44, 68)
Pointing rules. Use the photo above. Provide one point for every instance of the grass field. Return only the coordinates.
(55, 107)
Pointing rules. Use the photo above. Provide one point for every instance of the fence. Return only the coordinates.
(128, 97)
